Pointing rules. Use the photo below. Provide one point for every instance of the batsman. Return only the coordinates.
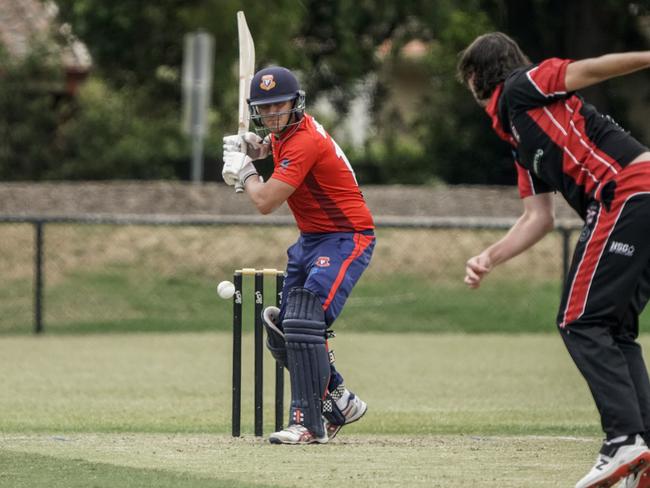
(312, 174)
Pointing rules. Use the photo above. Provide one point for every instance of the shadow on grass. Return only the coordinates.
(26, 470)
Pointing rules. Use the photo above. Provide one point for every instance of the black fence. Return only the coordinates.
(564, 229)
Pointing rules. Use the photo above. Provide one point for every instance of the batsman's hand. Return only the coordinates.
(250, 143)
(256, 147)
(476, 268)
(237, 166)
(232, 143)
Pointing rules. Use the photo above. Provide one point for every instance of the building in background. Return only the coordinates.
(23, 23)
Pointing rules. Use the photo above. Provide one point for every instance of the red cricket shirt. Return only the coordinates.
(327, 197)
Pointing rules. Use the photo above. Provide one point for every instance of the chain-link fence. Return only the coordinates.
(98, 274)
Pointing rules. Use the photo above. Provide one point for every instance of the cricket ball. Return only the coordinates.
(226, 289)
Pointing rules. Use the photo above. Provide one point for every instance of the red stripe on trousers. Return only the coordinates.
(634, 179)
(361, 242)
(577, 298)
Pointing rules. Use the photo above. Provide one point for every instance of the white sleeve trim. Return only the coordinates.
(547, 95)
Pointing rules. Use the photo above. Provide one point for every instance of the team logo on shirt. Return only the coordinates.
(267, 82)
(622, 248)
(592, 211)
(323, 262)
(284, 164)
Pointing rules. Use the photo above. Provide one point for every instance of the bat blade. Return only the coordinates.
(246, 72)
(246, 69)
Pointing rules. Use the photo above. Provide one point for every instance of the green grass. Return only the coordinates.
(154, 410)
(104, 278)
(129, 301)
(180, 383)
(145, 460)
(404, 303)
(26, 470)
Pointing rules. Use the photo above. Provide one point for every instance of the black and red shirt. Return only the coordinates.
(561, 143)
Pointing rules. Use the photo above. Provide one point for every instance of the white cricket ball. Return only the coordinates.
(226, 289)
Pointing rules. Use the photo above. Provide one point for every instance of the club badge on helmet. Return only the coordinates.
(275, 85)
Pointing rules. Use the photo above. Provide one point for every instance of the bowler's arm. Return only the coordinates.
(268, 195)
(586, 72)
(537, 220)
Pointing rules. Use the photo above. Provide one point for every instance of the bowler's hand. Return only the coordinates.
(476, 268)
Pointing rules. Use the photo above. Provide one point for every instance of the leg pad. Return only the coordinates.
(307, 359)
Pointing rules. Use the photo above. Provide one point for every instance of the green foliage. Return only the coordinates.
(448, 137)
(424, 126)
(31, 114)
(113, 136)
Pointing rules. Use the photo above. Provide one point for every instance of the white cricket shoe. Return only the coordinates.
(296, 434)
(352, 407)
(617, 459)
(640, 479)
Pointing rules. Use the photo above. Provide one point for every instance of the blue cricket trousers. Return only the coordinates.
(328, 265)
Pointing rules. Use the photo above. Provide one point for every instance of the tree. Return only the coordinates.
(425, 127)
(31, 115)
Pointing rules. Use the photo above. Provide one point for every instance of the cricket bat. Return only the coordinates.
(246, 72)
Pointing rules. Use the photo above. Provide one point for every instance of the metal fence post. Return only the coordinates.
(38, 277)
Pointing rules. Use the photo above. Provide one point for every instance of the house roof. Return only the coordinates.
(24, 21)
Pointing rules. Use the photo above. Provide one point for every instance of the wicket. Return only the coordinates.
(259, 275)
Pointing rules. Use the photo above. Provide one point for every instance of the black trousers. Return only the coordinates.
(607, 288)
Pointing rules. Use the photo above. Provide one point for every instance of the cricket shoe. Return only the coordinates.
(640, 479)
(618, 458)
(350, 408)
(297, 434)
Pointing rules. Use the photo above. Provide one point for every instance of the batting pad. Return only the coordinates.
(307, 359)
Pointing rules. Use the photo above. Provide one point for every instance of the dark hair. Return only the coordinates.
(488, 61)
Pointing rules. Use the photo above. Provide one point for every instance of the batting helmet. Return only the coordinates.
(274, 85)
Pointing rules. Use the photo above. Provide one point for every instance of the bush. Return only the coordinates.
(110, 138)
(31, 111)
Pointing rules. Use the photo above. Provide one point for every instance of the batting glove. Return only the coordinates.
(237, 166)
(250, 143)
(232, 143)
(257, 148)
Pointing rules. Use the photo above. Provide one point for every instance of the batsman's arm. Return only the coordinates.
(269, 195)
(537, 220)
(586, 72)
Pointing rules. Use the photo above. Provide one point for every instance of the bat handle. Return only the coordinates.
(239, 187)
